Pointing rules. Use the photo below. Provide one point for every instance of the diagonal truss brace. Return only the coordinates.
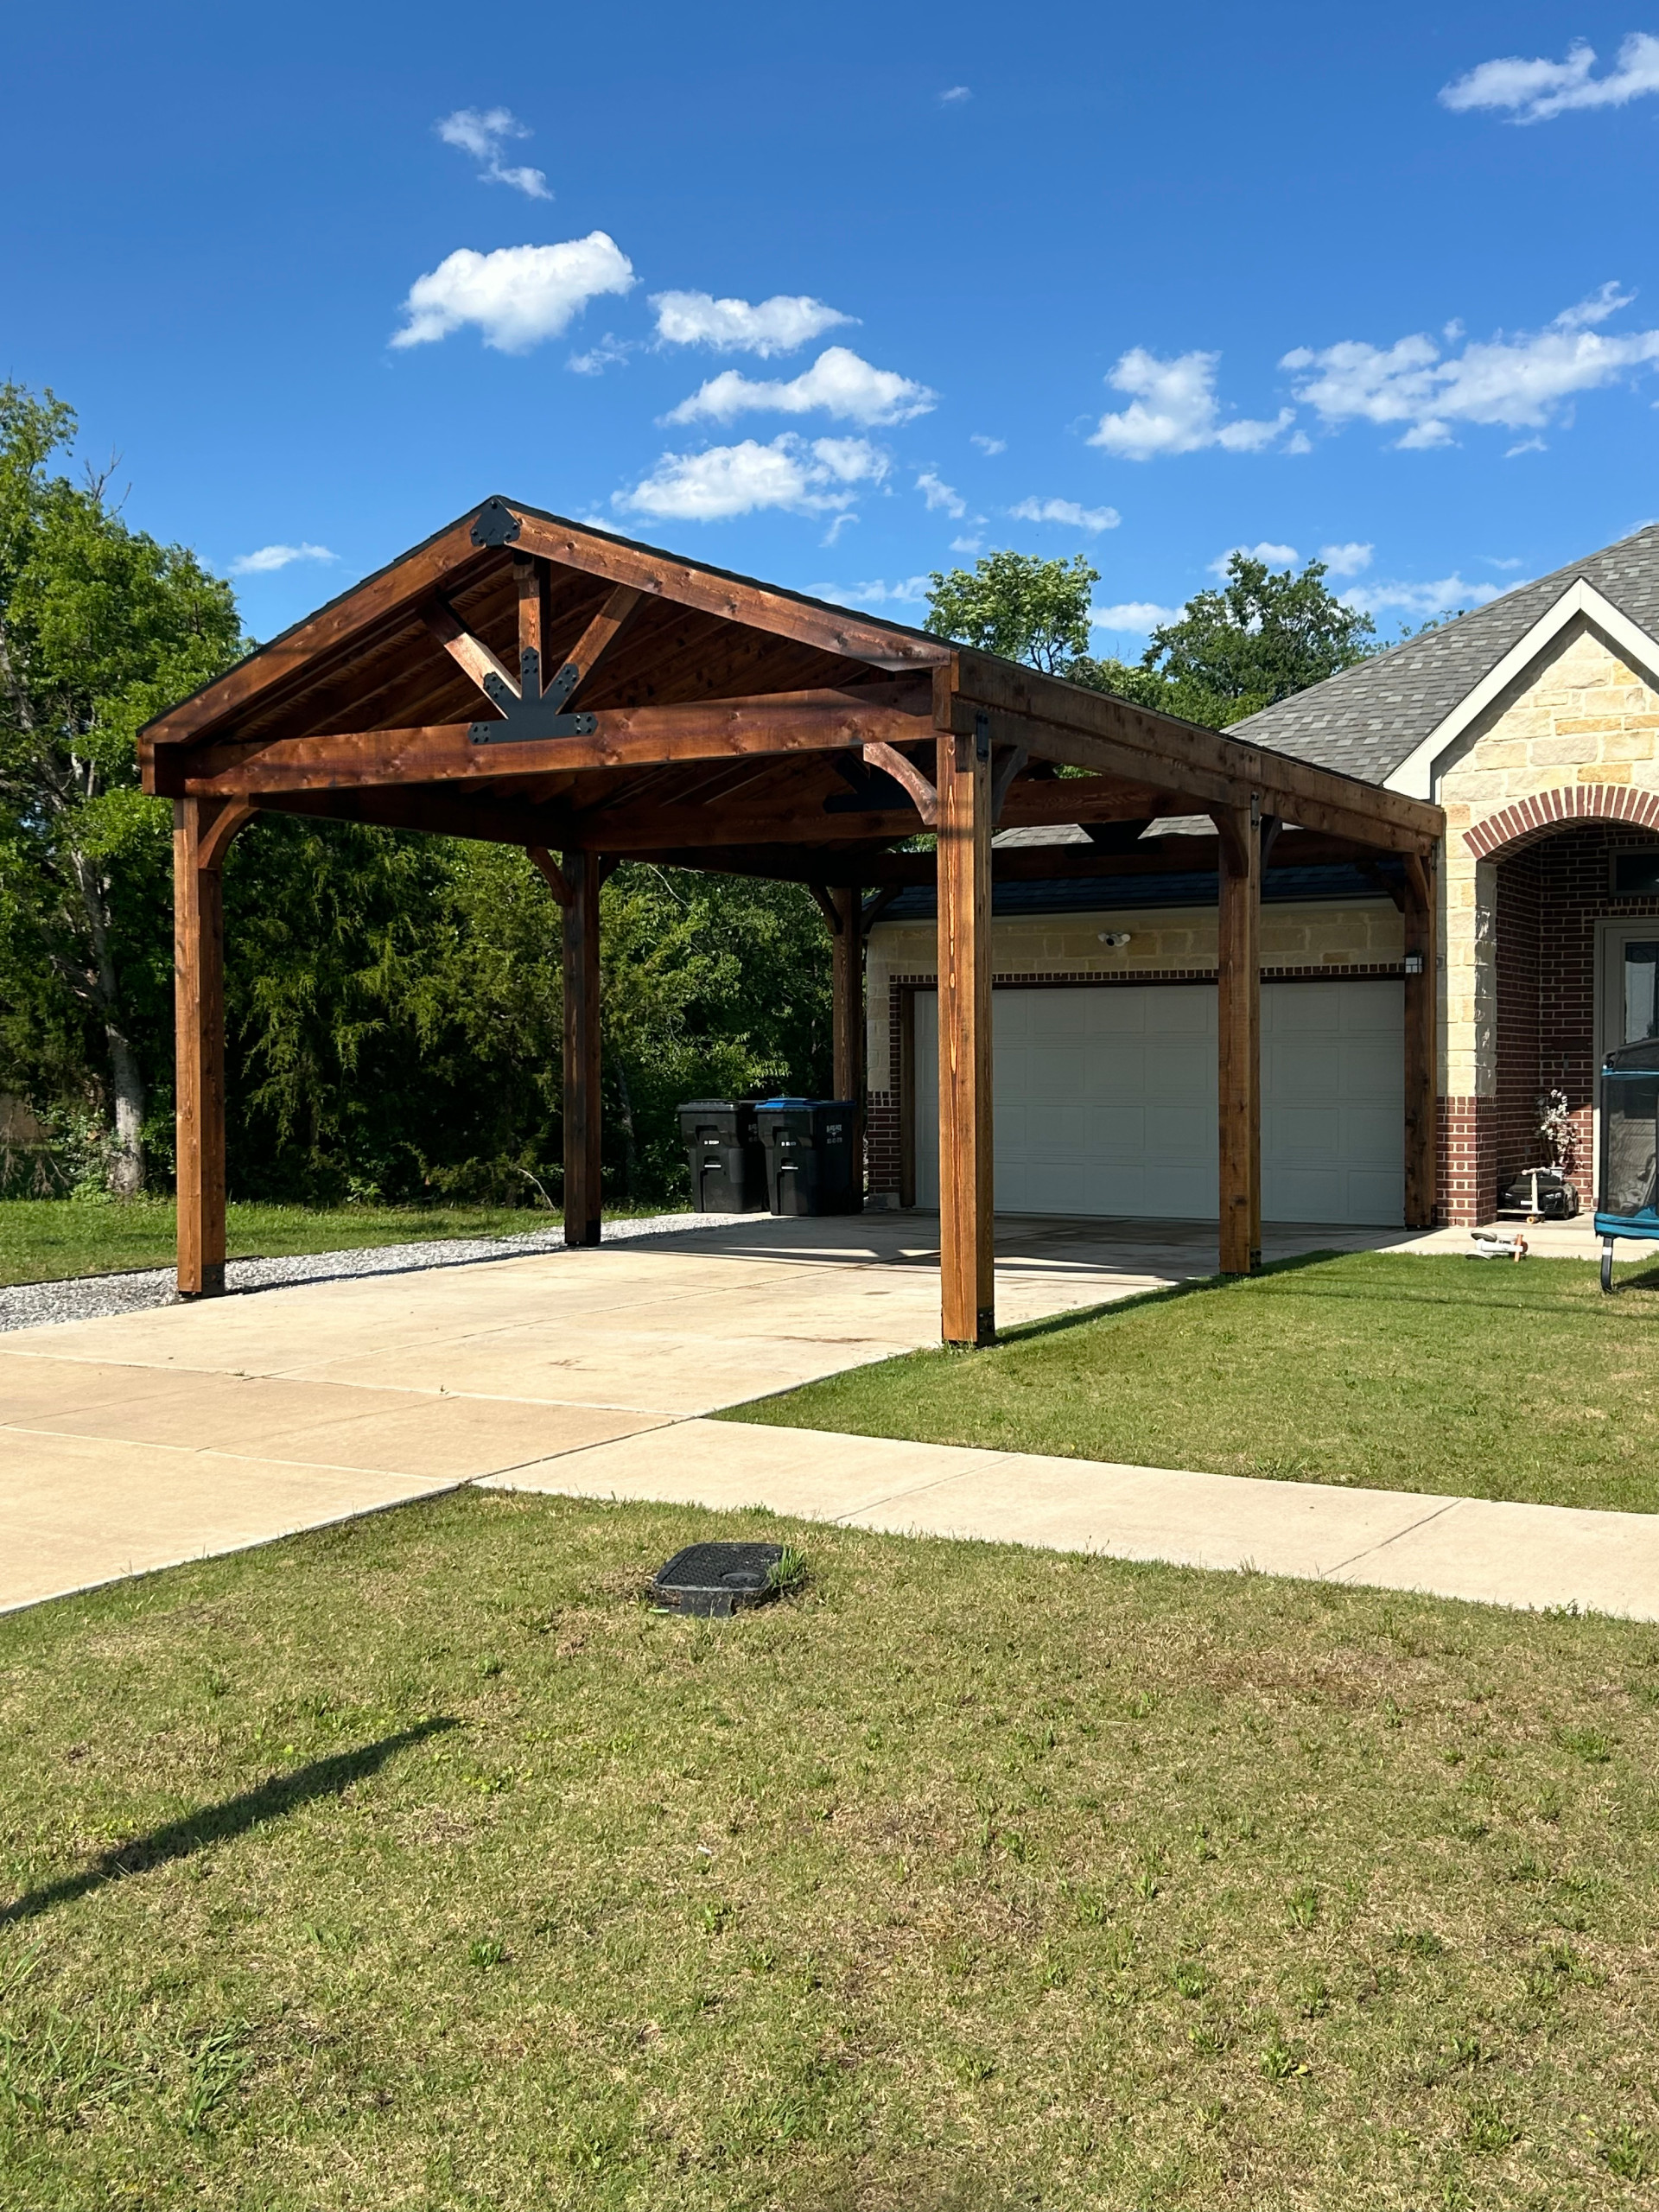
(529, 712)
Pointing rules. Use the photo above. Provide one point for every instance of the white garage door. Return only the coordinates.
(1106, 1102)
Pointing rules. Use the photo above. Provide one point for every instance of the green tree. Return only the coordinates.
(100, 628)
(1015, 605)
(1263, 635)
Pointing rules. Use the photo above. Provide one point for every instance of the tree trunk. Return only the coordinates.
(630, 1147)
(126, 1170)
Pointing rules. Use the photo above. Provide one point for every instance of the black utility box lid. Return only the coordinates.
(718, 1579)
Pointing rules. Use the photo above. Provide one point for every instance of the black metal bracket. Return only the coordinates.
(496, 525)
(537, 714)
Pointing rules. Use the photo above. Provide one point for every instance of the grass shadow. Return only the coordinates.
(234, 1816)
(1168, 1294)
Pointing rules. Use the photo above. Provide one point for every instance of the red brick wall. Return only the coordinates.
(1468, 1170)
(1550, 898)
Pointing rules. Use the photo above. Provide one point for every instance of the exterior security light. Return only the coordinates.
(1414, 964)
(1116, 938)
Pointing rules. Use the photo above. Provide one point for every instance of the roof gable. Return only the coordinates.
(1406, 705)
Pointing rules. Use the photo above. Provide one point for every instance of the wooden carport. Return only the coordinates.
(539, 683)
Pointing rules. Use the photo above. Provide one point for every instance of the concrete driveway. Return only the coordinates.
(133, 1442)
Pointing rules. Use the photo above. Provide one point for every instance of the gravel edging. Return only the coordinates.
(94, 1298)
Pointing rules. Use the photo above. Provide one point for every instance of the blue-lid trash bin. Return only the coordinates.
(723, 1149)
(1628, 1202)
(812, 1163)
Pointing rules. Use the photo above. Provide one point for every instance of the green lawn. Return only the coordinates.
(44, 1240)
(417, 1863)
(1446, 1375)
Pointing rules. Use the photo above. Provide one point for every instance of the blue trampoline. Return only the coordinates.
(1630, 1148)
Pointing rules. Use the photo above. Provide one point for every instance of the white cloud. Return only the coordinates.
(1276, 556)
(941, 495)
(483, 133)
(970, 545)
(1526, 445)
(271, 558)
(838, 381)
(1539, 90)
(767, 327)
(516, 296)
(1175, 410)
(1423, 600)
(954, 95)
(1067, 512)
(1349, 560)
(907, 591)
(728, 480)
(609, 353)
(1136, 617)
(989, 447)
(1517, 382)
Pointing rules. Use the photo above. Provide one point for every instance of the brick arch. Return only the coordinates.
(1529, 819)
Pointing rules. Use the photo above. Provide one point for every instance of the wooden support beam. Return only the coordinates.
(734, 598)
(583, 1113)
(1238, 1024)
(530, 581)
(905, 771)
(1007, 768)
(823, 898)
(1090, 730)
(967, 1281)
(467, 652)
(557, 882)
(202, 830)
(600, 632)
(780, 723)
(1422, 1086)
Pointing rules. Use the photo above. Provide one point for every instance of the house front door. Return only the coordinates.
(1627, 997)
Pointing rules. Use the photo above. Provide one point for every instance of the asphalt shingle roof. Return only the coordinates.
(1367, 720)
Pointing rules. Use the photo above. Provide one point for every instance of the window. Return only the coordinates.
(1635, 874)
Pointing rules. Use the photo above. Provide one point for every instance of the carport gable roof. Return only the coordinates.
(706, 710)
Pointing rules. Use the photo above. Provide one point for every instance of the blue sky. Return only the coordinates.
(836, 296)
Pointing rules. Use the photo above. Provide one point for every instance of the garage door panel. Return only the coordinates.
(1106, 1102)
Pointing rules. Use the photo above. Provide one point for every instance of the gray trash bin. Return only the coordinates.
(728, 1163)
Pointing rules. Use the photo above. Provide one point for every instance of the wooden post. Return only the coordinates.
(582, 1125)
(1238, 1025)
(1422, 1102)
(966, 1221)
(202, 830)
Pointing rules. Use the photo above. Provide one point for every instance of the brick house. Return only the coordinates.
(1533, 723)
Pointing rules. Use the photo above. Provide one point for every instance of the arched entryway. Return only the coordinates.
(1575, 923)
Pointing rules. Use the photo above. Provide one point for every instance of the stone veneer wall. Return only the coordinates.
(1167, 944)
(1571, 740)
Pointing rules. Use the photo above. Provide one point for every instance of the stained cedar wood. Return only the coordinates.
(582, 1051)
(966, 1250)
(530, 582)
(1422, 1101)
(202, 829)
(600, 632)
(1090, 730)
(369, 663)
(644, 737)
(1238, 1040)
(546, 867)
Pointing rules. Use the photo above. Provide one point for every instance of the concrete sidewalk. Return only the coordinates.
(1495, 1553)
(141, 1440)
